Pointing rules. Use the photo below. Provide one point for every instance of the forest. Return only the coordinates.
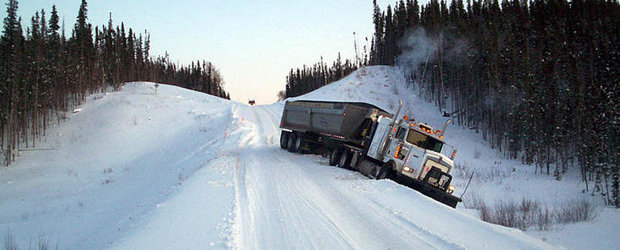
(538, 79)
(44, 73)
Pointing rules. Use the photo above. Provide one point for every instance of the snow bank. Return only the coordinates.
(496, 179)
(95, 177)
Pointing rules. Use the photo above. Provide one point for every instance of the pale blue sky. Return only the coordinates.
(253, 43)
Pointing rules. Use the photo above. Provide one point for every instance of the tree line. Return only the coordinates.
(305, 79)
(44, 73)
(538, 79)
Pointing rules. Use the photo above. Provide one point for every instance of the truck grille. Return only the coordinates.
(437, 178)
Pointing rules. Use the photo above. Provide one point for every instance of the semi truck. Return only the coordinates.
(366, 138)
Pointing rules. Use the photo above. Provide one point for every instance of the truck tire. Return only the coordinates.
(297, 144)
(334, 156)
(366, 167)
(292, 137)
(374, 171)
(284, 139)
(382, 172)
(345, 159)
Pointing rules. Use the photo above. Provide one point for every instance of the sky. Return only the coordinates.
(254, 44)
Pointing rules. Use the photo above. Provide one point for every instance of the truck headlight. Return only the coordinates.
(407, 169)
(451, 189)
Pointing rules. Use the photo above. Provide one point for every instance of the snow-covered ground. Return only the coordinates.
(169, 168)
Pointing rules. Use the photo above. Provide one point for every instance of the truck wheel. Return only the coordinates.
(291, 142)
(381, 172)
(284, 139)
(297, 144)
(373, 172)
(345, 159)
(334, 156)
(365, 167)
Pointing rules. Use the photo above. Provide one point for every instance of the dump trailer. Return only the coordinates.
(366, 138)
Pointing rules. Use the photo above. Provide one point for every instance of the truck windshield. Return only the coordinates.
(424, 141)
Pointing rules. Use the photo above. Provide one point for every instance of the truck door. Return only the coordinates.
(377, 140)
(415, 158)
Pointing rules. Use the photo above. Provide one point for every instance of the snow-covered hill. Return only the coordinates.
(496, 180)
(168, 168)
(97, 175)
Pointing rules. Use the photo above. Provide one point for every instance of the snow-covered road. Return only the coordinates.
(286, 200)
(168, 168)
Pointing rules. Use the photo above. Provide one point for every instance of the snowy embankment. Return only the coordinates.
(169, 168)
(495, 178)
(95, 177)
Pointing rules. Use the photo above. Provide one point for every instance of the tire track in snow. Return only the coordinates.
(279, 217)
(270, 118)
(296, 199)
(241, 213)
(362, 227)
(411, 228)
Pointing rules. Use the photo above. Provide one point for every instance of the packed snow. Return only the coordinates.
(169, 168)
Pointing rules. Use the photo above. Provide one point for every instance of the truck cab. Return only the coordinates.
(413, 150)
